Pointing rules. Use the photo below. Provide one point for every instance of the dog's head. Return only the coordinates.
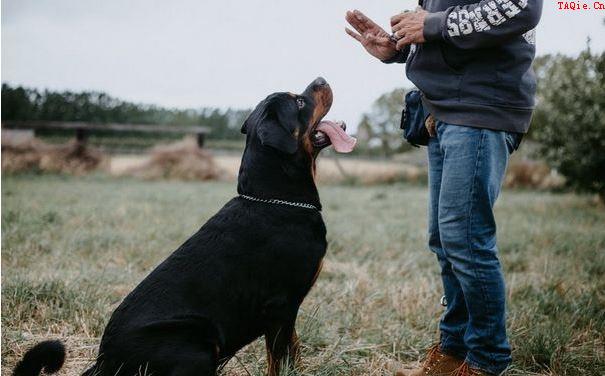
(284, 135)
(291, 124)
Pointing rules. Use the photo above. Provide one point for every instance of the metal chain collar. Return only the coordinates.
(280, 202)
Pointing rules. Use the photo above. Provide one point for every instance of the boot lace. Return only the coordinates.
(466, 370)
(433, 357)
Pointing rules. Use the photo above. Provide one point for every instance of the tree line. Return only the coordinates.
(21, 103)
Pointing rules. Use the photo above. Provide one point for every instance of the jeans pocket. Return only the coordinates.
(513, 140)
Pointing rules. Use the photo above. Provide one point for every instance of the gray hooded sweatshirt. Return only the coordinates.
(475, 67)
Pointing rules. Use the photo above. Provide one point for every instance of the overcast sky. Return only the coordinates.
(193, 53)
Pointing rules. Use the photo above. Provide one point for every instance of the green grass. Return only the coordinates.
(73, 247)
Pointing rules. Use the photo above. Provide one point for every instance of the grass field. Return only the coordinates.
(72, 248)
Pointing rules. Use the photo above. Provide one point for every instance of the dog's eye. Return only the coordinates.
(300, 103)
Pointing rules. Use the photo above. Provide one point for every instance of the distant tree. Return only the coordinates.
(569, 122)
(18, 103)
(379, 128)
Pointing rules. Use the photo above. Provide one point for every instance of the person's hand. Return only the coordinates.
(408, 27)
(430, 126)
(371, 36)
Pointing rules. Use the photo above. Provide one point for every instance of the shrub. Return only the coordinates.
(569, 122)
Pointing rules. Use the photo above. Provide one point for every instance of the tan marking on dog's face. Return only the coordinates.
(323, 101)
(310, 151)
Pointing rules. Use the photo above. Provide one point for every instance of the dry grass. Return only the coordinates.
(332, 170)
(30, 154)
(72, 248)
(182, 160)
(522, 172)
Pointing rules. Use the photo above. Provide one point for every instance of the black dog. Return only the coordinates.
(245, 273)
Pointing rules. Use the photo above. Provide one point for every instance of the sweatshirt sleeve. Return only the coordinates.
(482, 24)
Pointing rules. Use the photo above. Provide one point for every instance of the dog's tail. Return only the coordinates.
(47, 355)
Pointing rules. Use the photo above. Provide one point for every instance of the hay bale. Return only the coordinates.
(22, 156)
(182, 160)
(32, 154)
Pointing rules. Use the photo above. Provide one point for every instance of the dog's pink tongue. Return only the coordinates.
(342, 142)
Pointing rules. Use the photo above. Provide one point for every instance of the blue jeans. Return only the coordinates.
(466, 169)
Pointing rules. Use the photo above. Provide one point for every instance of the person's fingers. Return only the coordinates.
(354, 35)
(430, 125)
(402, 43)
(405, 17)
(403, 31)
(399, 31)
(431, 129)
(366, 23)
(395, 28)
(354, 22)
(350, 18)
(400, 17)
(396, 18)
(404, 23)
(412, 35)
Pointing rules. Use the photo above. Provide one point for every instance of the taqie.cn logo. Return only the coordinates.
(579, 5)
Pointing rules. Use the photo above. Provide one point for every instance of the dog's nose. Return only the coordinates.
(319, 82)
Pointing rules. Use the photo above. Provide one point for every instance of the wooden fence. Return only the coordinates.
(83, 129)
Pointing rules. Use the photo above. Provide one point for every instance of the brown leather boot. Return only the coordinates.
(466, 370)
(436, 363)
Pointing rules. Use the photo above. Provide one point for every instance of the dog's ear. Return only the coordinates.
(252, 118)
(281, 126)
(256, 116)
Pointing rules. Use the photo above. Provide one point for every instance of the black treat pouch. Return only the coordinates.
(413, 118)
